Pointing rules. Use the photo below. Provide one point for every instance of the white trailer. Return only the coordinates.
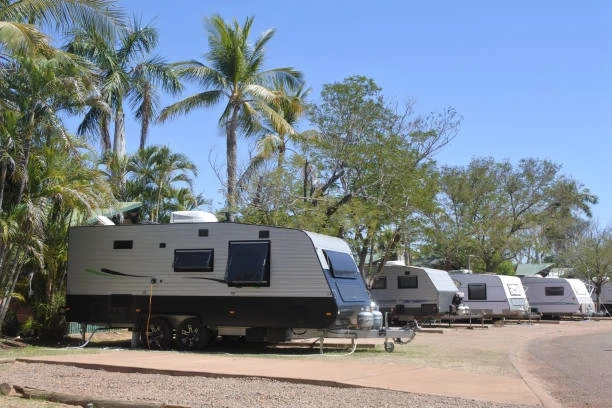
(556, 297)
(185, 284)
(415, 293)
(605, 299)
(491, 295)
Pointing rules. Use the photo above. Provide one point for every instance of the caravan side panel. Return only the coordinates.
(115, 271)
(493, 295)
(410, 292)
(556, 297)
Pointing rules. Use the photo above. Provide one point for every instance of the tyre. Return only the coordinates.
(157, 334)
(192, 335)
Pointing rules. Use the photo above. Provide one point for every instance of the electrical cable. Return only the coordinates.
(149, 316)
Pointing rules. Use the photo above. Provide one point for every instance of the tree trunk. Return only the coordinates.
(119, 143)
(3, 174)
(105, 136)
(9, 288)
(231, 159)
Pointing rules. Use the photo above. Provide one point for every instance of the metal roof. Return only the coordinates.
(533, 269)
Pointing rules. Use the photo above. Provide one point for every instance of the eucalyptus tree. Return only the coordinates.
(128, 73)
(590, 256)
(490, 209)
(372, 166)
(234, 74)
(154, 174)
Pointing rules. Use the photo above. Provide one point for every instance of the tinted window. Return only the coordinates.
(554, 291)
(380, 282)
(477, 291)
(248, 263)
(127, 244)
(193, 260)
(342, 265)
(407, 282)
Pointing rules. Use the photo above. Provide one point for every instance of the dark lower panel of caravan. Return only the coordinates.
(215, 311)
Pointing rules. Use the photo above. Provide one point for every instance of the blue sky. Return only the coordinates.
(531, 79)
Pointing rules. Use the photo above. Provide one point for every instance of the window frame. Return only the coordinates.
(207, 266)
(554, 291)
(407, 282)
(336, 261)
(376, 283)
(477, 289)
(237, 278)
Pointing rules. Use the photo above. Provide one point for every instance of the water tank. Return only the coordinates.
(191, 216)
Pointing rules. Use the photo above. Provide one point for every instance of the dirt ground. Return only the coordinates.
(495, 351)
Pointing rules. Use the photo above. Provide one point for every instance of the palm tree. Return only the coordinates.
(154, 172)
(275, 142)
(235, 75)
(36, 89)
(19, 35)
(127, 73)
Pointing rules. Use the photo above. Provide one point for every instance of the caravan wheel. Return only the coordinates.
(191, 335)
(158, 336)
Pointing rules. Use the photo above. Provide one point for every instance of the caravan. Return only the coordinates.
(491, 295)
(556, 297)
(185, 284)
(605, 299)
(416, 293)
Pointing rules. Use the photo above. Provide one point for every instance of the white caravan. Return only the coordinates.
(556, 297)
(491, 295)
(605, 299)
(192, 282)
(416, 293)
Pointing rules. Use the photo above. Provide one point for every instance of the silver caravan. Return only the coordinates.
(184, 284)
(555, 297)
(491, 295)
(605, 299)
(416, 293)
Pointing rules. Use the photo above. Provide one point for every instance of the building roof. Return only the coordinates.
(533, 269)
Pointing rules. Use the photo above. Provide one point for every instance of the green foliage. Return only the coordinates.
(494, 211)
(153, 174)
(590, 255)
(48, 322)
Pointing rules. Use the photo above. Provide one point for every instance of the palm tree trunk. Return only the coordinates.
(119, 142)
(231, 165)
(3, 174)
(27, 146)
(105, 136)
(9, 288)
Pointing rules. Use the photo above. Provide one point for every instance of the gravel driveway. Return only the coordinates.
(528, 351)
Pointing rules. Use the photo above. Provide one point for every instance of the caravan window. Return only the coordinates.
(407, 282)
(554, 291)
(193, 260)
(341, 265)
(123, 244)
(248, 263)
(477, 291)
(380, 282)
(514, 289)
